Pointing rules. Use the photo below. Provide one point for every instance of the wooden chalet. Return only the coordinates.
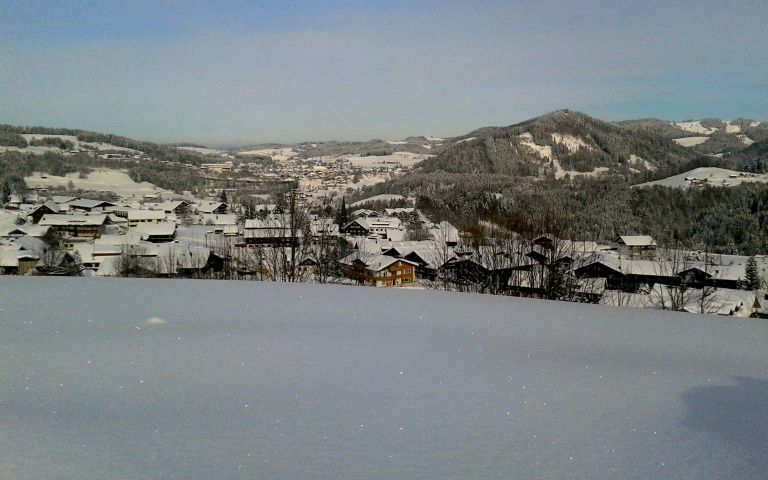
(87, 226)
(379, 270)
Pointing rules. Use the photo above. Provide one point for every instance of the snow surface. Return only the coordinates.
(690, 141)
(545, 152)
(572, 143)
(468, 139)
(636, 160)
(203, 150)
(254, 380)
(384, 197)
(745, 139)
(731, 128)
(98, 180)
(716, 177)
(277, 154)
(695, 127)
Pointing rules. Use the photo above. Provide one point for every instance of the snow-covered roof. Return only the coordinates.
(62, 220)
(86, 203)
(135, 215)
(163, 229)
(209, 207)
(637, 240)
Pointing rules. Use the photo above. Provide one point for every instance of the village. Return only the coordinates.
(289, 239)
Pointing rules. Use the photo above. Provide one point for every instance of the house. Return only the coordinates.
(388, 228)
(446, 233)
(48, 207)
(364, 213)
(273, 230)
(486, 268)
(17, 231)
(88, 226)
(212, 208)
(136, 216)
(760, 304)
(14, 202)
(428, 257)
(156, 232)
(15, 260)
(378, 270)
(637, 245)
(88, 205)
(177, 207)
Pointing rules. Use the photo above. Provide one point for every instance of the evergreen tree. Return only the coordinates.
(223, 196)
(341, 216)
(5, 192)
(753, 276)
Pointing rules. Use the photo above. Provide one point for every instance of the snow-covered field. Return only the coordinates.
(716, 177)
(77, 143)
(213, 379)
(690, 141)
(384, 197)
(277, 154)
(695, 127)
(203, 150)
(98, 180)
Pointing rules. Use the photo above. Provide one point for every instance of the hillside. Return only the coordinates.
(711, 136)
(211, 379)
(561, 143)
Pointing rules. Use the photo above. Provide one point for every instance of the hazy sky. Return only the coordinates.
(283, 71)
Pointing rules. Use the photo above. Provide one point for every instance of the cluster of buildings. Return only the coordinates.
(181, 238)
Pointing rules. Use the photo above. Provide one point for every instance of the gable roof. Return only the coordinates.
(63, 220)
(88, 204)
(637, 241)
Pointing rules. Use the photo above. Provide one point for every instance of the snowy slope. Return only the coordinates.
(212, 379)
(715, 176)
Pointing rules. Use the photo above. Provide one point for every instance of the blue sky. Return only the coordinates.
(247, 72)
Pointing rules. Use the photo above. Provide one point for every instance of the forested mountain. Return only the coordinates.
(558, 144)
(571, 143)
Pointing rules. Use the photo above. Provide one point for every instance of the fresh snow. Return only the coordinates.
(260, 380)
(690, 141)
(731, 128)
(468, 139)
(572, 143)
(695, 127)
(545, 152)
(745, 139)
(98, 180)
(714, 176)
(635, 160)
(277, 154)
(384, 197)
(397, 142)
(203, 150)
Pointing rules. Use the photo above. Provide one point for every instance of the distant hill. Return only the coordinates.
(709, 135)
(563, 143)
